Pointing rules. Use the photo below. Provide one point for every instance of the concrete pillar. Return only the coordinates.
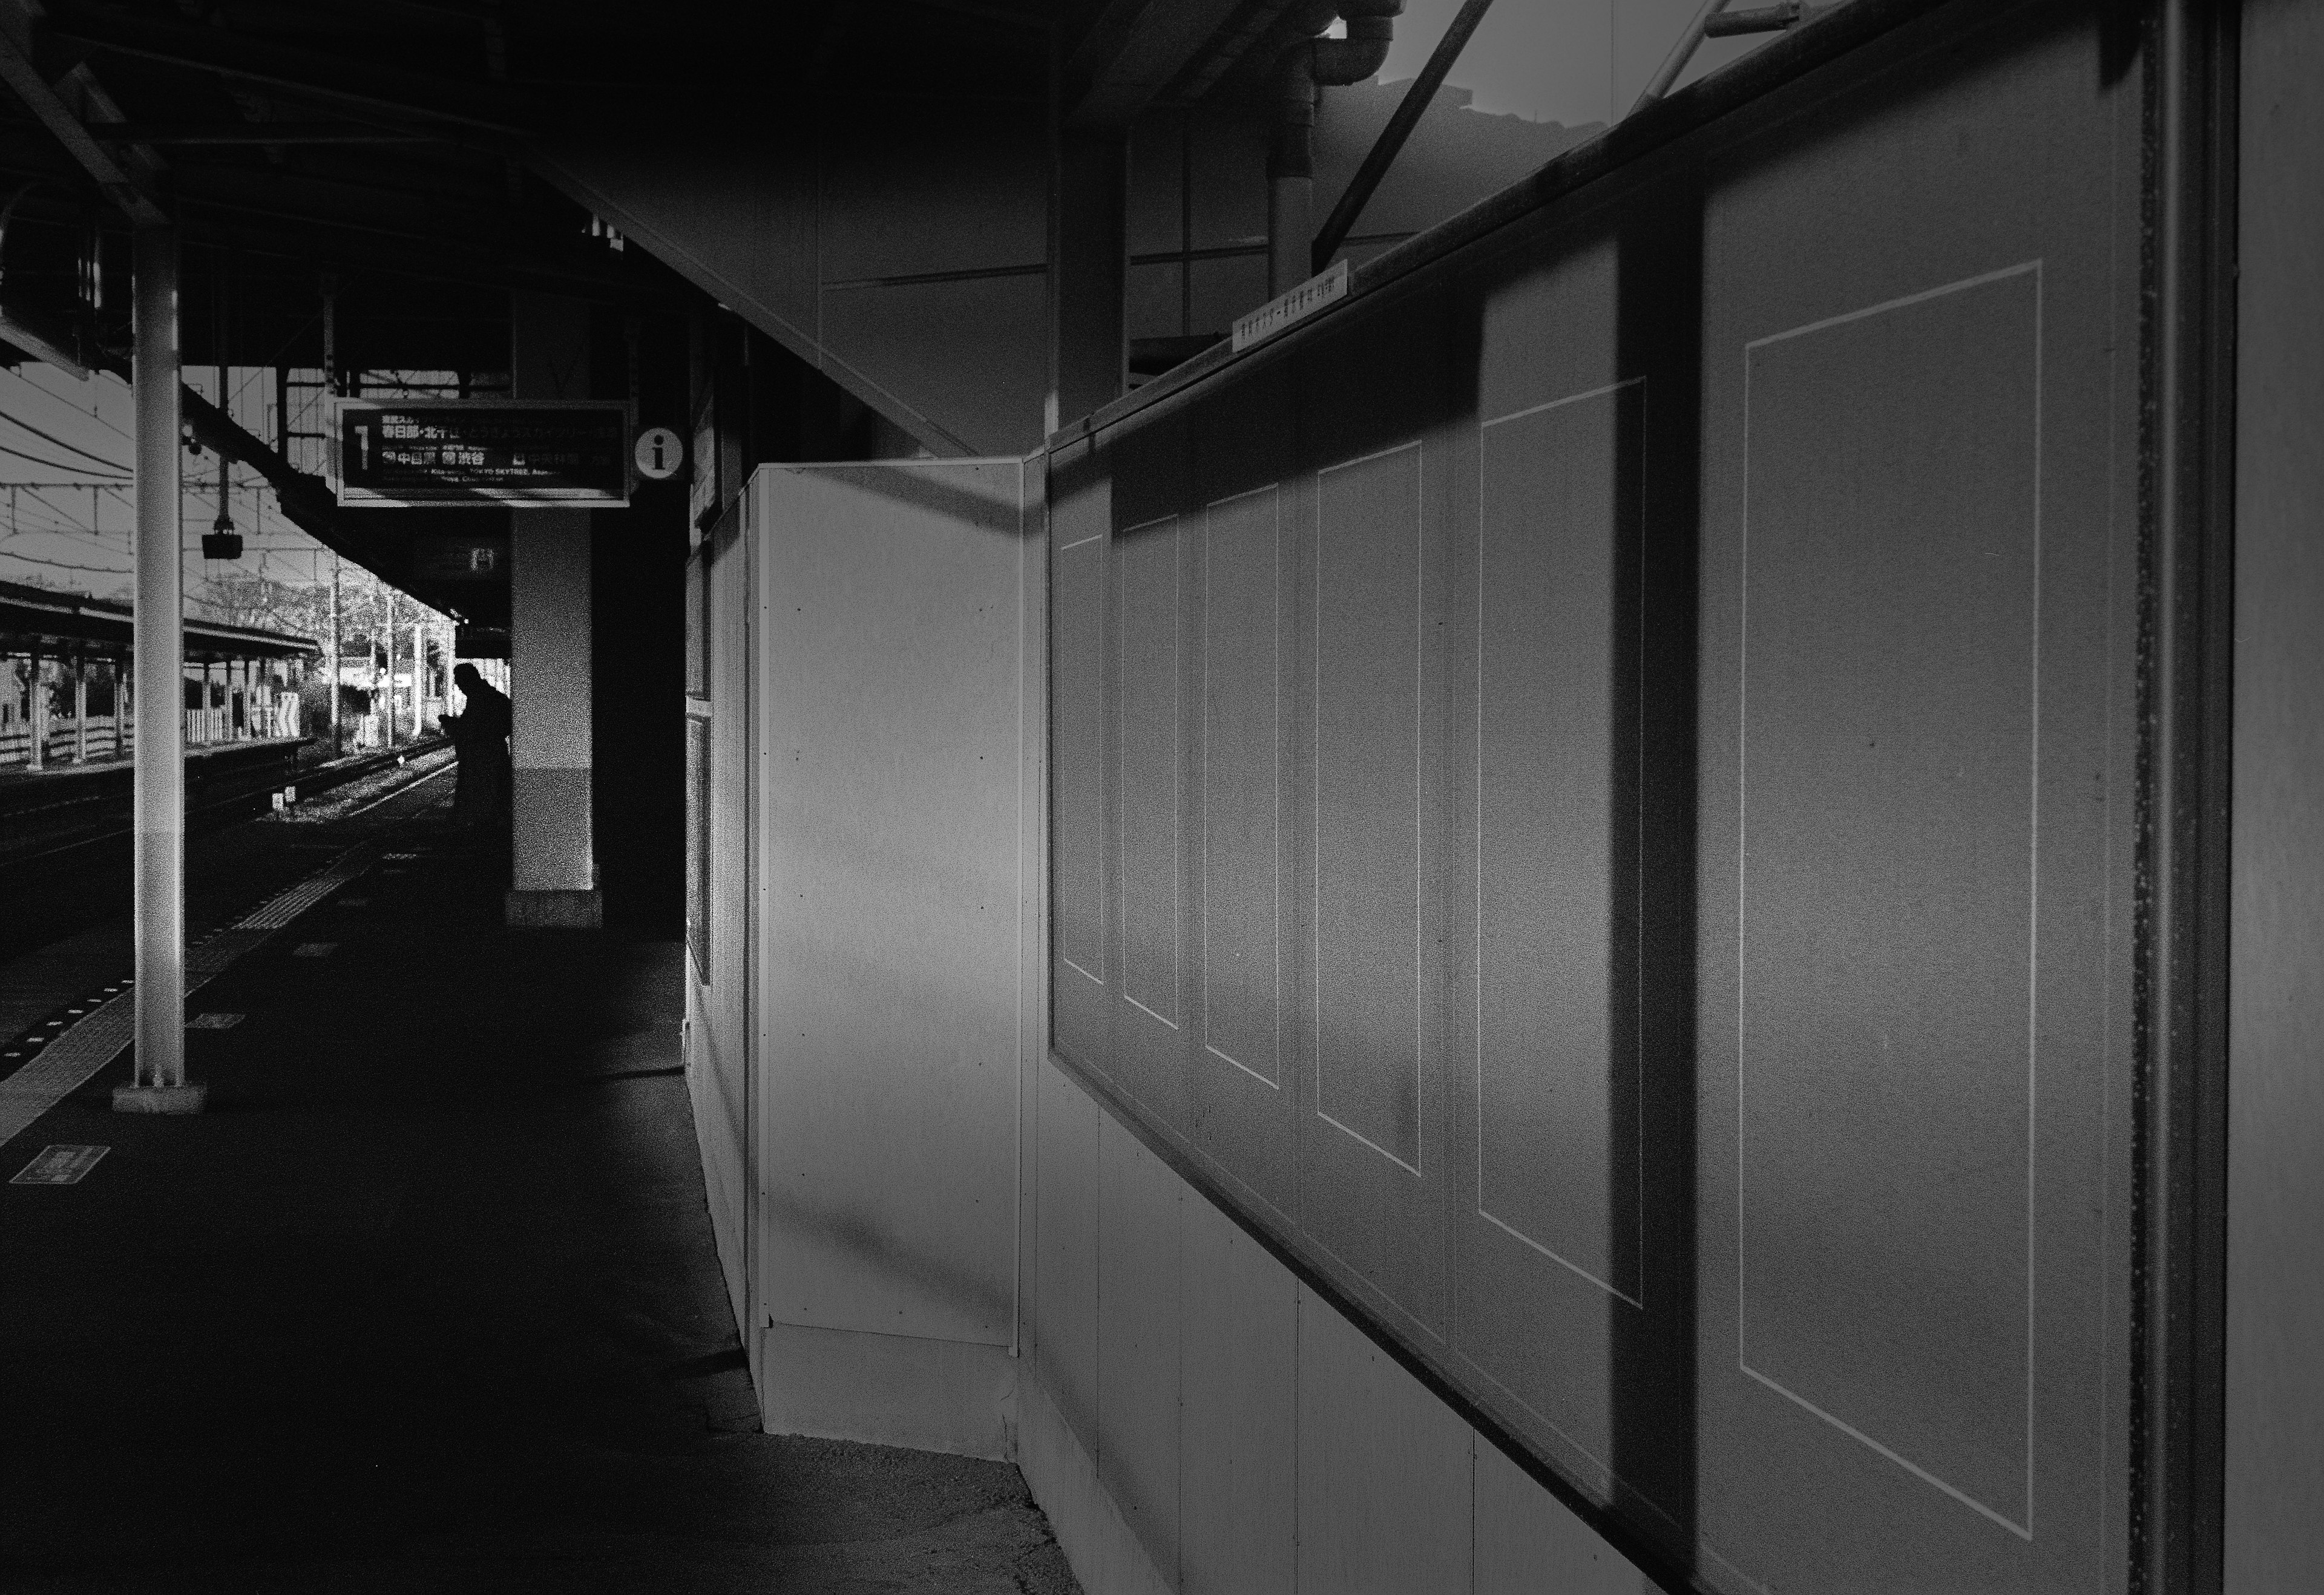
(554, 881)
(1089, 353)
(81, 712)
(159, 786)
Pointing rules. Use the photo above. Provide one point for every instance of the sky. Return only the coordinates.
(65, 445)
(67, 521)
(1573, 61)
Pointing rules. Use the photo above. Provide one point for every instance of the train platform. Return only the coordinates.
(426, 1300)
(64, 770)
(101, 763)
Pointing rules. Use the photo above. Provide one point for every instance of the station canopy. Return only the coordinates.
(67, 625)
(386, 150)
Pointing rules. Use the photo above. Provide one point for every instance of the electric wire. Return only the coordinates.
(60, 443)
(66, 400)
(59, 466)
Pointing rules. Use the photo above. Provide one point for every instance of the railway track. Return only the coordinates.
(45, 833)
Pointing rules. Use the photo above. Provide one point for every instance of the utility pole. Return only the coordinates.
(337, 748)
(39, 712)
(330, 288)
(387, 705)
(330, 340)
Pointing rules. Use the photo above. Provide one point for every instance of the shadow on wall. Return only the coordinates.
(1352, 528)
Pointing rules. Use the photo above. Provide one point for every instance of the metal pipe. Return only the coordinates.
(1681, 54)
(1765, 19)
(158, 625)
(1391, 143)
(1301, 73)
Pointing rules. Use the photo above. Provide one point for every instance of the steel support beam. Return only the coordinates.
(260, 134)
(16, 68)
(1391, 143)
(159, 784)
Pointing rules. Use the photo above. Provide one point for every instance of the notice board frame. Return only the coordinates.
(554, 497)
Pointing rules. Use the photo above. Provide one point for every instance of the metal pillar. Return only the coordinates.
(158, 785)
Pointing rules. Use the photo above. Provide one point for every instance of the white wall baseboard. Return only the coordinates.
(837, 1384)
(1105, 1556)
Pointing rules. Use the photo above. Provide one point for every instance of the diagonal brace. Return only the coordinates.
(1391, 143)
(111, 178)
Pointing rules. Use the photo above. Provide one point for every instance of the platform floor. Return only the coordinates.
(427, 1302)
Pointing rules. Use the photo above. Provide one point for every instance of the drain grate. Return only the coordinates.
(60, 1166)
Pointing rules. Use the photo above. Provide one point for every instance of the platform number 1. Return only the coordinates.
(660, 454)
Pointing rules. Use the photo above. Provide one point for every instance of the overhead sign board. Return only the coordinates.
(564, 454)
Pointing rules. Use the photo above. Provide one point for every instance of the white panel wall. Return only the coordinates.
(1195, 1419)
(2275, 1200)
(895, 855)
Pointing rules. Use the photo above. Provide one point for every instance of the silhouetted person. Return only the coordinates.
(480, 744)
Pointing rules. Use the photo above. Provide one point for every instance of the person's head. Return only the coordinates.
(466, 675)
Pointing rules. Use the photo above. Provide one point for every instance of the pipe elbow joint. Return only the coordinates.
(1341, 61)
(1313, 64)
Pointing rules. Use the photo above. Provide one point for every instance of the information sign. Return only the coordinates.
(660, 454)
(566, 454)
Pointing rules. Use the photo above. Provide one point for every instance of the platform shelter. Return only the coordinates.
(1430, 851)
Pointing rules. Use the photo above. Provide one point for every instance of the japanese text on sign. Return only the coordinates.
(571, 454)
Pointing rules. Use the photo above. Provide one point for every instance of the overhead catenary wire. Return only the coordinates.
(59, 443)
(49, 392)
(60, 465)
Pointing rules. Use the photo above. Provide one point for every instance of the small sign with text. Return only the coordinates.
(1300, 303)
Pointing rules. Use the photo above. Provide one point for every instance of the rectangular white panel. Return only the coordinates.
(893, 793)
(1887, 1066)
(1242, 963)
(1386, 1502)
(1368, 655)
(1077, 689)
(1146, 731)
(1557, 1117)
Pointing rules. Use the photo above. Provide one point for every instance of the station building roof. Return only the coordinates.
(392, 147)
(44, 621)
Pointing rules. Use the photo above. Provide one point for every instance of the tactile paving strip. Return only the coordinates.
(74, 1058)
(71, 1062)
(284, 907)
